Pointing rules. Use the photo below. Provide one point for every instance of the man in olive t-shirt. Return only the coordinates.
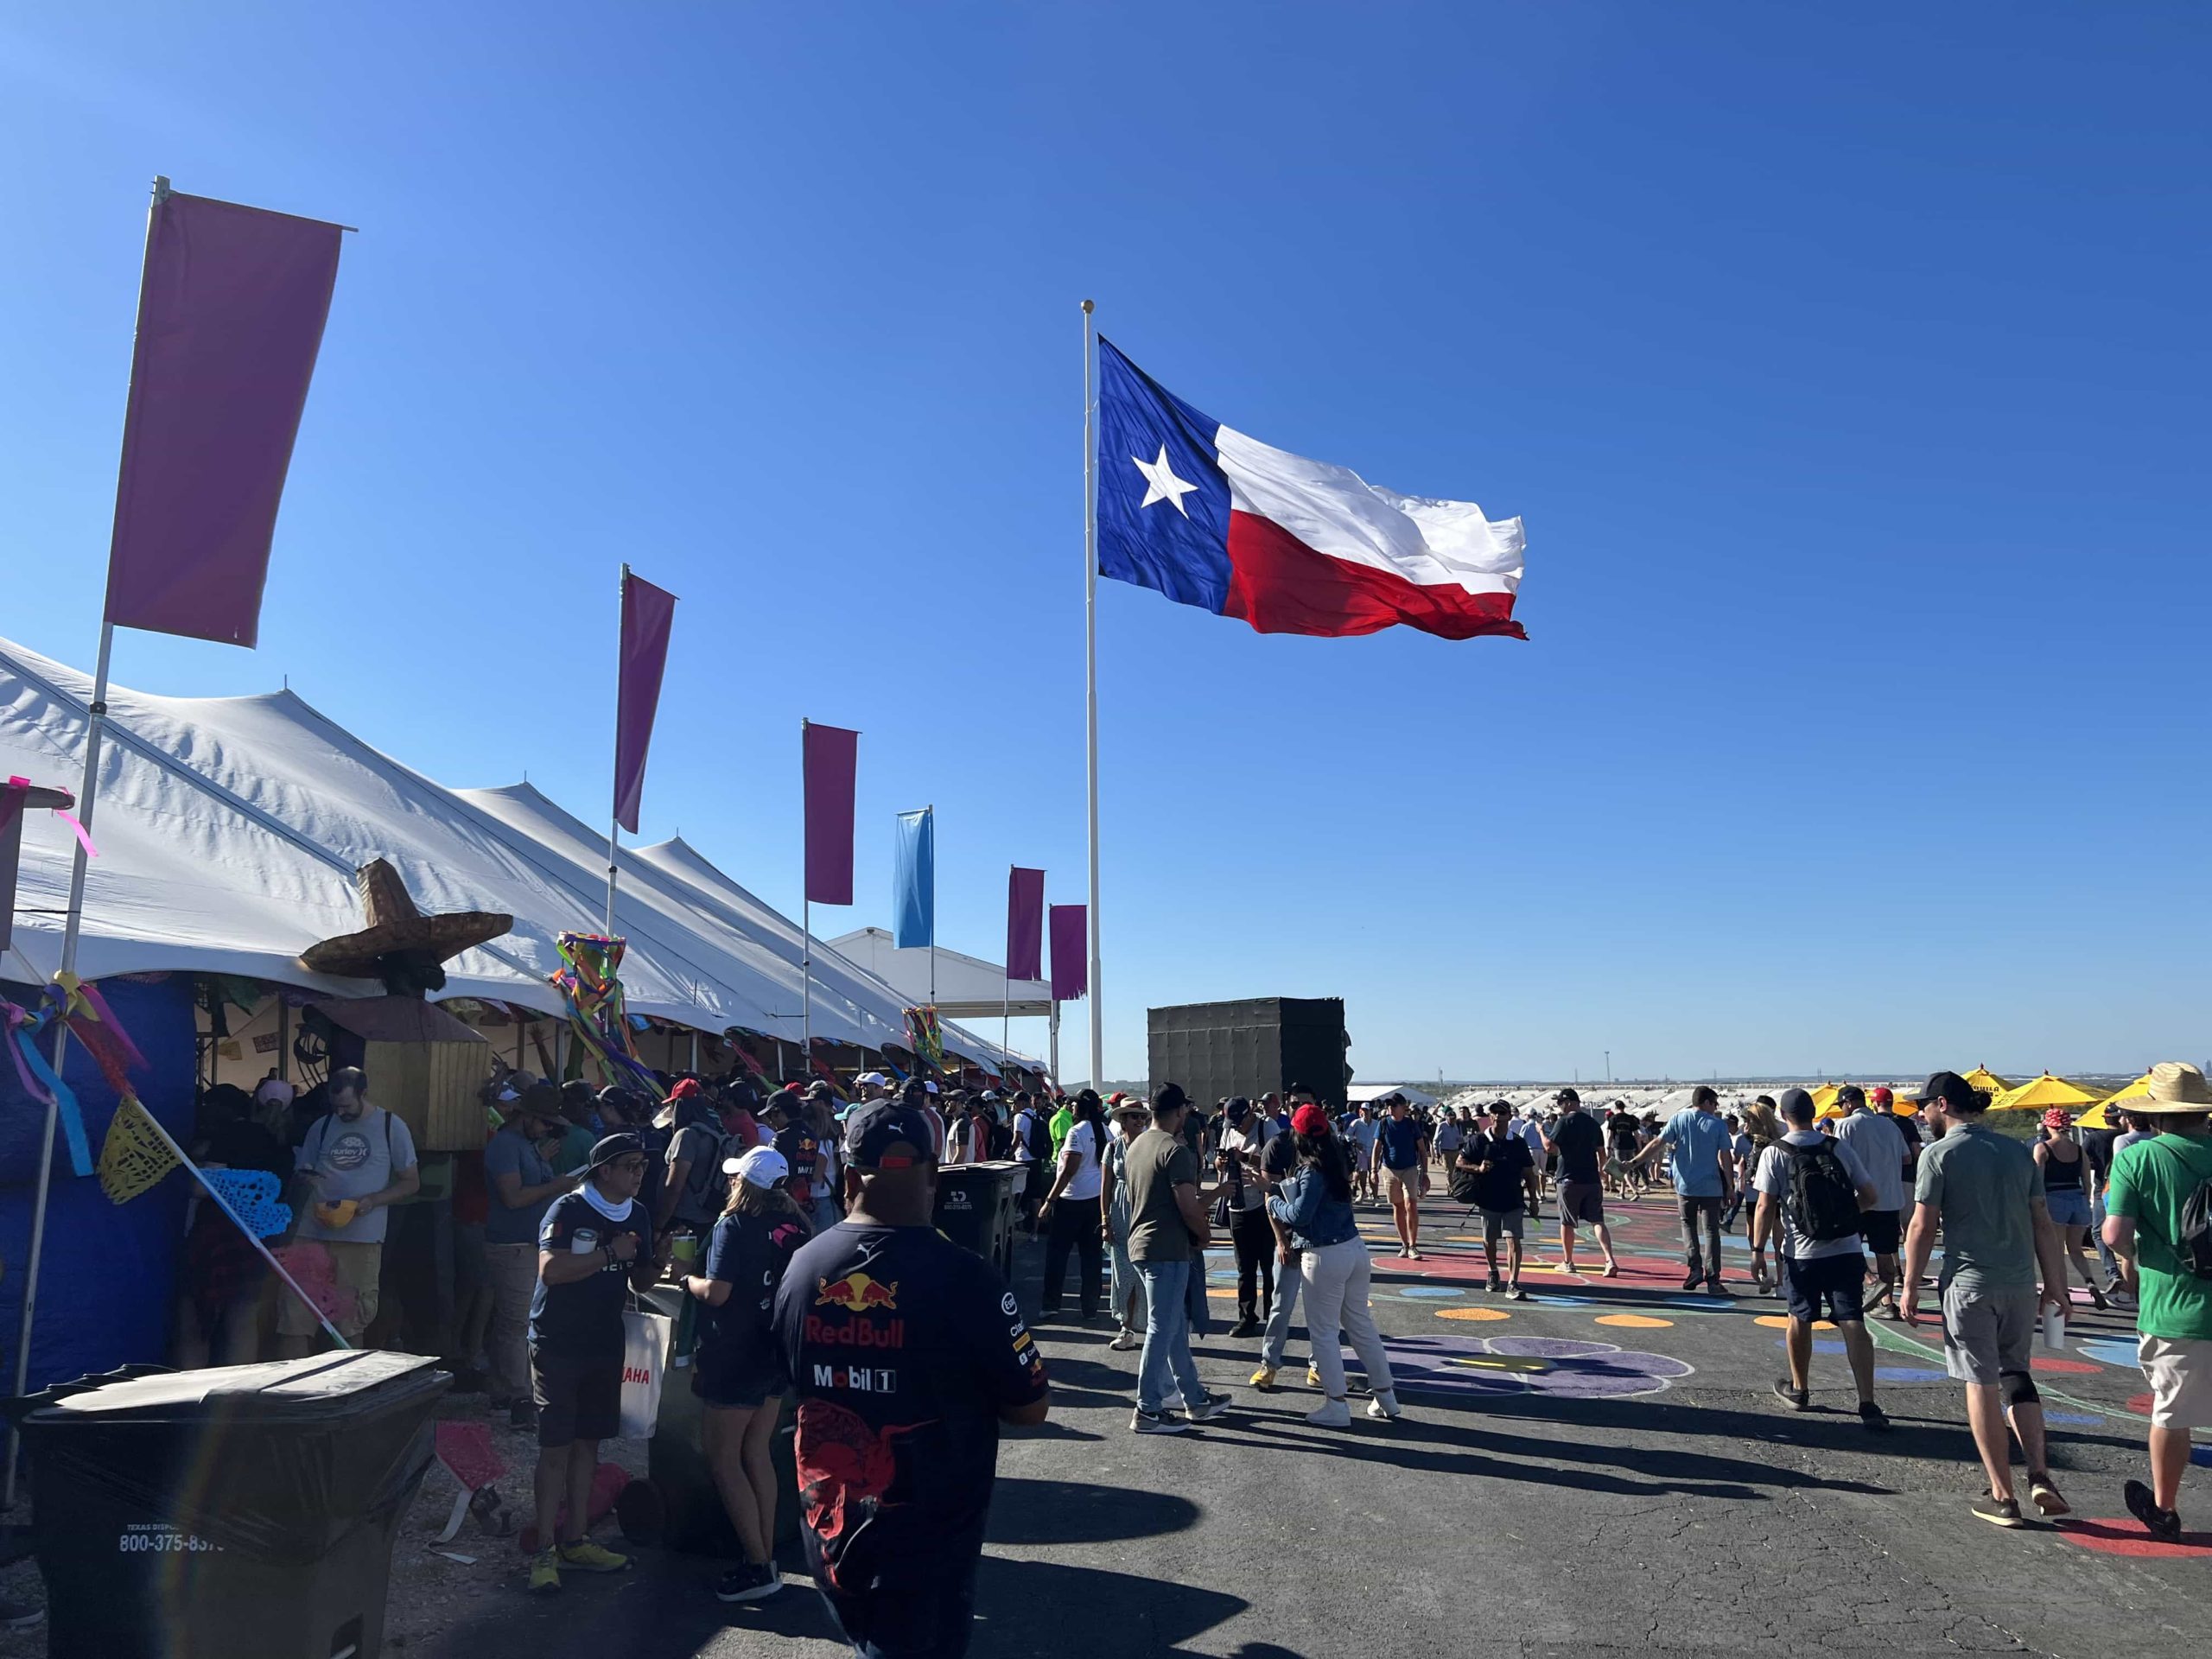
(1167, 1222)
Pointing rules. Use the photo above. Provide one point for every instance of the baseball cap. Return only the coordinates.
(820, 1090)
(1169, 1097)
(875, 1077)
(784, 1100)
(1238, 1108)
(1949, 1087)
(1309, 1119)
(1795, 1103)
(763, 1166)
(1566, 1095)
(1883, 1098)
(1850, 1094)
(888, 1134)
(1500, 1108)
(614, 1147)
(684, 1089)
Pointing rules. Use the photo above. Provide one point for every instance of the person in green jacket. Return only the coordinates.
(1063, 1121)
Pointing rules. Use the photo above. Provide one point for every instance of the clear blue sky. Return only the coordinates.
(1848, 367)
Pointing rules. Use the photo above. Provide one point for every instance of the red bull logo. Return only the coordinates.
(857, 1294)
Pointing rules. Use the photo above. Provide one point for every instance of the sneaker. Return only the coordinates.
(1796, 1398)
(1384, 1407)
(1155, 1422)
(2162, 1524)
(1126, 1341)
(1494, 1285)
(1873, 1416)
(2045, 1498)
(592, 1558)
(753, 1581)
(1692, 1282)
(544, 1572)
(522, 1417)
(1332, 1413)
(1412, 1256)
(1515, 1293)
(1206, 1409)
(1714, 1288)
(2000, 1511)
(19, 1614)
(1244, 1329)
(1263, 1379)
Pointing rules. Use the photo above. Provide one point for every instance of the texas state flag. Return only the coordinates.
(1214, 518)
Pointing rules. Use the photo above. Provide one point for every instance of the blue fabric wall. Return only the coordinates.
(108, 1280)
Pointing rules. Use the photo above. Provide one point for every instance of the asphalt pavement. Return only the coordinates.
(1601, 1469)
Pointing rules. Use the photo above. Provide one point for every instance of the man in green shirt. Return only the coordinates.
(1063, 1121)
(2152, 1181)
(1985, 1190)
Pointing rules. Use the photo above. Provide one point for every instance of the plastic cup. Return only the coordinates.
(2054, 1330)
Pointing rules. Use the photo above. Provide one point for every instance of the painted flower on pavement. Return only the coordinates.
(1550, 1365)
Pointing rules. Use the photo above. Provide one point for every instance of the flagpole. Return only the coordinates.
(73, 925)
(1090, 681)
(806, 922)
(1005, 1005)
(615, 817)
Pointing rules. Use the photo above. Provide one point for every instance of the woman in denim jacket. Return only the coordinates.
(1314, 1203)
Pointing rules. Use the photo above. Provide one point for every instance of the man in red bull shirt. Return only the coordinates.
(907, 1353)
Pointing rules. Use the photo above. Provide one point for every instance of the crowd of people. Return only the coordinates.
(800, 1222)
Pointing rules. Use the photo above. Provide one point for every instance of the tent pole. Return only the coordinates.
(72, 925)
(614, 818)
(1090, 686)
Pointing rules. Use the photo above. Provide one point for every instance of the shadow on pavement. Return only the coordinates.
(1071, 1612)
(1076, 1512)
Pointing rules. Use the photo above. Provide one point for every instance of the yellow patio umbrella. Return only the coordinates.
(2099, 1116)
(1988, 1082)
(1824, 1099)
(2041, 1094)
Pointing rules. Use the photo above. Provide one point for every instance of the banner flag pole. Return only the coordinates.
(805, 925)
(615, 817)
(1090, 678)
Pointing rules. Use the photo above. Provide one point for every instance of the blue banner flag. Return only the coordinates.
(913, 880)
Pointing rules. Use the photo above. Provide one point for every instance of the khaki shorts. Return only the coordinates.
(342, 1279)
(2181, 1381)
(1411, 1180)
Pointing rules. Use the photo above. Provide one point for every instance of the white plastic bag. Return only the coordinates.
(645, 1357)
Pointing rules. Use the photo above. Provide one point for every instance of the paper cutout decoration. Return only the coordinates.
(251, 1194)
(134, 1157)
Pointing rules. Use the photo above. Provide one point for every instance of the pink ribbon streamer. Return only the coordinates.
(84, 839)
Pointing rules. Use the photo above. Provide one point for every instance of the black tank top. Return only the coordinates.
(2058, 1177)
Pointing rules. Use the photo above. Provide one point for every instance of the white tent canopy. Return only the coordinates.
(229, 829)
(1359, 1094)
(967, 988)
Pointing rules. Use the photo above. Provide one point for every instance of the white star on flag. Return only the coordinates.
(1161, 483)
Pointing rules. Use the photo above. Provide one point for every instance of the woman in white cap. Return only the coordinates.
(736, 1369)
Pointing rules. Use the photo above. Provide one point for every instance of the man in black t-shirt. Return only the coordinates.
(594, 1244)
(1579, 1145)
(1505, 1168)
(796, 1141)
(907, 1353)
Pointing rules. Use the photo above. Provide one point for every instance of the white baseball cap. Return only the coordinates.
(763, 1167)
(875, 1077)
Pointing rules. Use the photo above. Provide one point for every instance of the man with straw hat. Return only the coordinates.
(2158, 1222)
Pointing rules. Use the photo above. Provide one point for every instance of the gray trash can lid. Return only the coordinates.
(281, 1387)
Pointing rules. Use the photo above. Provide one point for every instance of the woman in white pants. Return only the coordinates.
(1315, 1204)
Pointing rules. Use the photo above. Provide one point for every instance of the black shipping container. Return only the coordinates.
(1260, 1045)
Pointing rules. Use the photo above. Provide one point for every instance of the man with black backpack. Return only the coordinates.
(1816, 1188)
(1032, 1148)
(2158, 1222)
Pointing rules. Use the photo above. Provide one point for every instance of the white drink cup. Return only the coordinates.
(2054, 1330)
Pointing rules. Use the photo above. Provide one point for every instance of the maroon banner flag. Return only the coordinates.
(231, 310)
(1025, 923)
(1070, 953)
(831, 754)
(648, 613)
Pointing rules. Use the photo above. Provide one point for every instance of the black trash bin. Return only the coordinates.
(975, 1207)
(241, 1512)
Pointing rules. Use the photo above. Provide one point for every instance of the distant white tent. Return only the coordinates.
(230, 830)
(1361, 1094)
